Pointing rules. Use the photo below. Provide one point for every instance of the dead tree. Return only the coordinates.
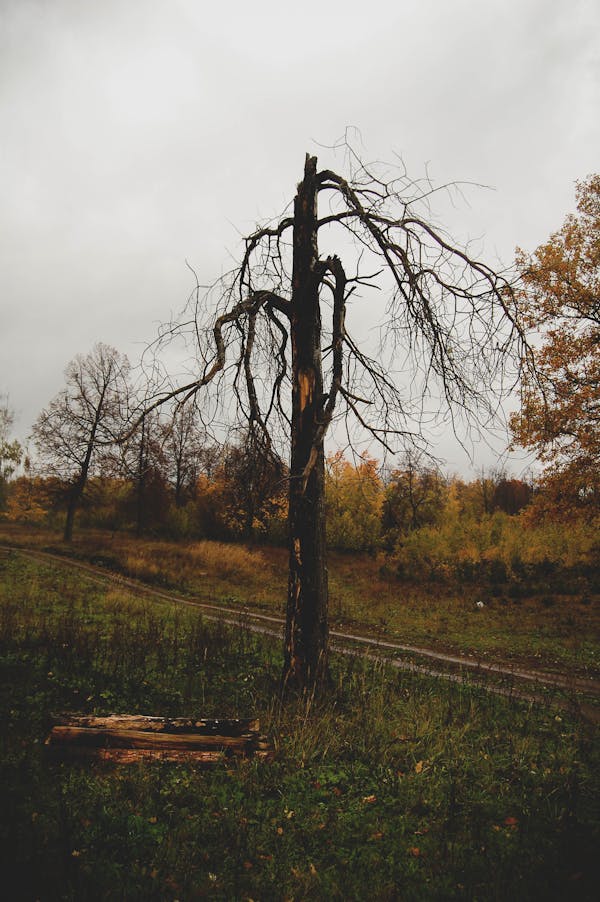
(276, 327)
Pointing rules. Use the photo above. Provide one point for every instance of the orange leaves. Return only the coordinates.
(561, 407)
(29, 500)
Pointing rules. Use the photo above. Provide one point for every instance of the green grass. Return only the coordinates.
(394, 787)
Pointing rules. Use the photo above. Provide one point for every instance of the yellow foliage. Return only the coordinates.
(28, 501)
(474, 548)
(354, 502)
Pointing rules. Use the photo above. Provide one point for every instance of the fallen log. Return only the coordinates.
(125, 738)
(131, 756)
(203, 726)
(140, 739)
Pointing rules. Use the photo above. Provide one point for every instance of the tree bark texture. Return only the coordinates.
(75, 497)
(306, 638)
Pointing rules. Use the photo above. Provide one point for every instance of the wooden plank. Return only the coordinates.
(131, 756)
(203, 726)
(119, 738)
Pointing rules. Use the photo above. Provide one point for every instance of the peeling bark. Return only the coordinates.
(306, 653)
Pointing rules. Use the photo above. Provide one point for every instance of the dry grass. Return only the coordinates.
(227, 561)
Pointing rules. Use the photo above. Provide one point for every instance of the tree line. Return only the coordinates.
(170, 480)
(491, 532)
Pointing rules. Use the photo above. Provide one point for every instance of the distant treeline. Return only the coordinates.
(424, 525)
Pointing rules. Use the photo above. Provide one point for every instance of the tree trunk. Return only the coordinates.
(178, 489)
(141, 485)
(306, 637)
(79, 486)
(74, 496)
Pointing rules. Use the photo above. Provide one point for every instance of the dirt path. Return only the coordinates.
(561, 690)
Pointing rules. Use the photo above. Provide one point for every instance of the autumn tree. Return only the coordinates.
(484, 488)
(249, 485)
(511, 495)
(277, 327)
(30, 498)
(71, 434)
(354, 498)
(560, 413)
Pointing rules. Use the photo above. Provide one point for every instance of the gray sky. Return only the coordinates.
(138, 134)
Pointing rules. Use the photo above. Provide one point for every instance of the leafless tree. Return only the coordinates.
(186, 450)
(276, 328)
(487, 483)
(82, 420)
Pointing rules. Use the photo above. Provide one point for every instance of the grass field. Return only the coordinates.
(550, 631)
(395, 787)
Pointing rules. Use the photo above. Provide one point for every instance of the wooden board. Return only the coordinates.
(131, 756)
(205, 726)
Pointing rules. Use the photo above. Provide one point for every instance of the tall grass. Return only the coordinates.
(184, 565)
(227, 561)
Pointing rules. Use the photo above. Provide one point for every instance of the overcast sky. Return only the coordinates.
(137, 135)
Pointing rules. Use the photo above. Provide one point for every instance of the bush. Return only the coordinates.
(500, 550)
